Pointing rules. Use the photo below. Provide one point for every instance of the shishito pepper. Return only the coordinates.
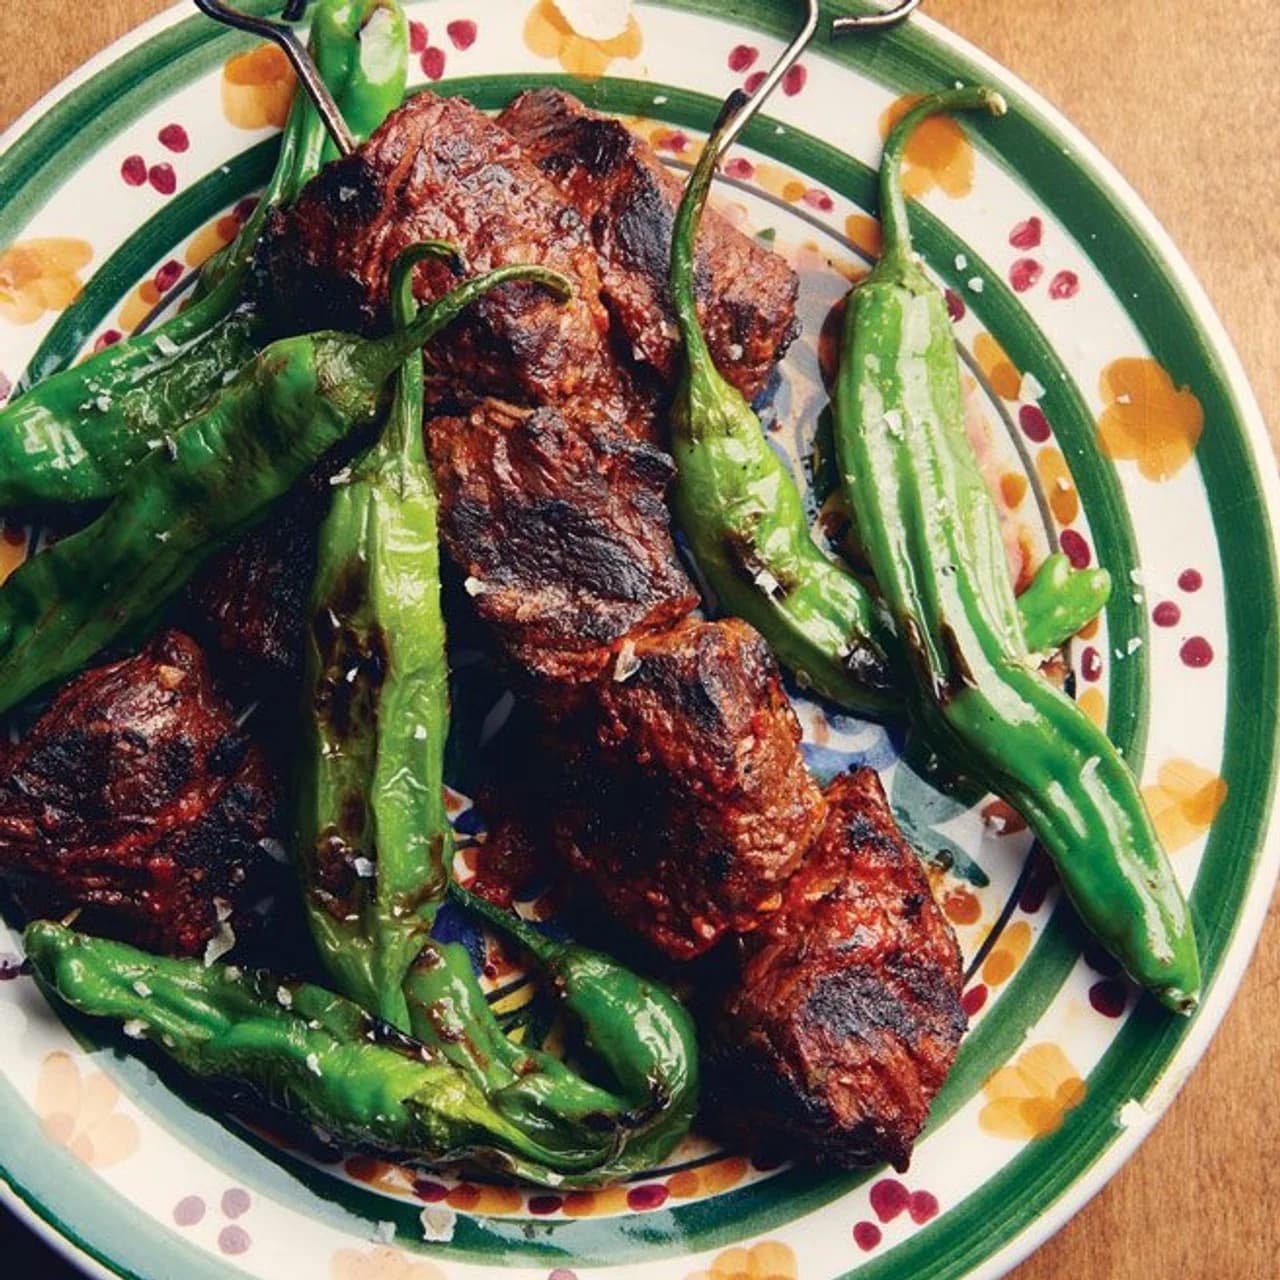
(931, 534)
(375, 844)
(318, 1058)
(75, 436)
(740, 510)
(207, 482)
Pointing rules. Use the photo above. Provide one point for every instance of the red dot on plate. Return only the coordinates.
(6, 386)
(794, 80)
(174, 138)
(1166, 614)
(888, 1199)
(739, 167)
(188, 1211)
(1035, 426)
(168, 275)
(866, 1235)
(134, 171)
(1091, 664)
(1190, 580)
(544, 1204)
(417, 37)
(1075, 548)
(1026, 235)
(163, 178)
(753, 81)
(818, 199)
(955, 305)
(1108, 997)
(433, 63)
(742, 57)
(1101, 961)
(973, 1000)
(431, 1192)
(648, 1196)
(108, 338)
(1196, 652)
(1024, 273)
(462, 33)
(244, 208)
(233, 1240)
(923, 1206)
(1066, 284)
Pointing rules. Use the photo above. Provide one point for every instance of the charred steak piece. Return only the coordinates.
(137, 799)
(438, 169)
(248, 605)
(846, 1015)
(628, 198)
(683, 798)
(561, 531)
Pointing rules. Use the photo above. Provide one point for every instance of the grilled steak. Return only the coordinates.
(561, 531)
(438, 169)
(248, 604)
(846, 1016)
(628, 198)
(136, 799)
(683, 798)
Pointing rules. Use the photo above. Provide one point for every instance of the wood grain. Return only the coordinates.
(1184, 99)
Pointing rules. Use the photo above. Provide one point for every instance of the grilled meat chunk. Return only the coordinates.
(137, 799)
(248, 605)
(846, 1015)
(683, 798)
(628, 198)
(438, 169)
(562, 533)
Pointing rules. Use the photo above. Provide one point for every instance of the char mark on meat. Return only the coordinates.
(628, 198)
(681, 794)
(136, 799)
(846, 1015)
(560, 530)
(438, 169)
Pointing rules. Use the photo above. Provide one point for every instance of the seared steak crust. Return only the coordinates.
(846, 1017)
(136, 799)
(628, 198)
(438, 169)
(561, 531)
(683, 798)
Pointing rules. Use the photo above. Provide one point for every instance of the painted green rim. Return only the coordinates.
(1166, 319)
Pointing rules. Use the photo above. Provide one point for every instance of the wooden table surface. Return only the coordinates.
(1184, 99)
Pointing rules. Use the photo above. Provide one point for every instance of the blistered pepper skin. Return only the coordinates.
(931, 534)
(76, 436)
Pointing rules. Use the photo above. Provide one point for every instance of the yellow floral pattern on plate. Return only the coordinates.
(1183, 802)
(1147, 419)
(553, 31)
(78, 1111)
(37, 276)
(768, 1260)
(257, 88)
(1030, 1097)
(382, 1263)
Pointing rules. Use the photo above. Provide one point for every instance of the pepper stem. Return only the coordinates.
(387, 354)
(894, 226)
(684, 237)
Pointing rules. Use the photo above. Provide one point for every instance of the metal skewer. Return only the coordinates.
(791, 55)
(283, 35)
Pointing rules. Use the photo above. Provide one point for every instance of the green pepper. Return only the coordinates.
(375, 844)
(1059, 601)
(203, 485)
(75, 436)
(931, 534)
(317, 1058)
(741, 513)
